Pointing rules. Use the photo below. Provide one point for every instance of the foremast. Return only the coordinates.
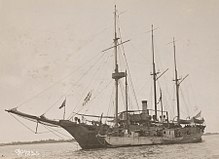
(116, 75)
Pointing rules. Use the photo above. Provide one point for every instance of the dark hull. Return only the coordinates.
(88, 137)
(85, 135)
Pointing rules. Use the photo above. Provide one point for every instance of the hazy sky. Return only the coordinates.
(43, 41)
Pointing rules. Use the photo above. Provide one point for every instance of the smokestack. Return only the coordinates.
(144, 105)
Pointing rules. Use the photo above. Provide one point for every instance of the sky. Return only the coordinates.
(47, 46)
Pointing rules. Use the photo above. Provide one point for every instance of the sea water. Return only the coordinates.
(207, 149)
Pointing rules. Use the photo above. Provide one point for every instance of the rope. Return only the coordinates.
(75, 83)
(87, 87)
(173, 101)
(39, 132)
(91, 39)
(122, 93)
(59, 132)
(95, 74)
(101, 90)
(65, 77)
(53, 105)
(111, 98)
(151, 93)
(129, 72)
(53, 132)
(22, 123)
(71, 116)
(186, 105)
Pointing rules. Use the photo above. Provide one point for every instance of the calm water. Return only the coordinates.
(208, 149)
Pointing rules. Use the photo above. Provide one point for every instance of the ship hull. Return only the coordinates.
(88, 137)
(85, 135)
(138, 141)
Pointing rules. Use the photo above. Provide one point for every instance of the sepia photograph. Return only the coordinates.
(105, 79)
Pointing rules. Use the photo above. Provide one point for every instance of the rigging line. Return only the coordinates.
(151, 92)
(122, 92)
(65, 77)
(130, 103)
(44, 126)
(173, 100)
(59, 98)
(53, 132)
(75, 82)
(111, 98)
(102, 73)
(71, 116)
(189, 95)
(84, 91)
(100, 92)
(120, 58)
(91, 39)
(23, 124)
(96, 62)
(33, 130)
(53, 105)
(186, 104)
(132, 34)
(32, 120)
(165, 86)
(129, 72)
(90, 84)
(164, 96)
(58, 131)
(98, 73)
(105, 62)
(142, 88)
(137, 50)
(46, 132)
(194, 99)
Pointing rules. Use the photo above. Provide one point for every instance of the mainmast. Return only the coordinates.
(154, 73)
(176, 82)
(116, 75)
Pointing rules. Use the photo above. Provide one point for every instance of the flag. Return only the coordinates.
(198, 115)
(87, 98)
(63, 104)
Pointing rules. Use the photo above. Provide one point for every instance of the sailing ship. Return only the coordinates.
(130, 127)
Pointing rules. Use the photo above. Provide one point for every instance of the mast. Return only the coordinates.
(176, 82)
(161, 105)
(116, 75)
(116, 67)
(126, 101)
(154, 73)
(126, 93)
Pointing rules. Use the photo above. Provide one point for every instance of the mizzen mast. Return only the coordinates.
(126, 101)
(176, 82)
(154, 73)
